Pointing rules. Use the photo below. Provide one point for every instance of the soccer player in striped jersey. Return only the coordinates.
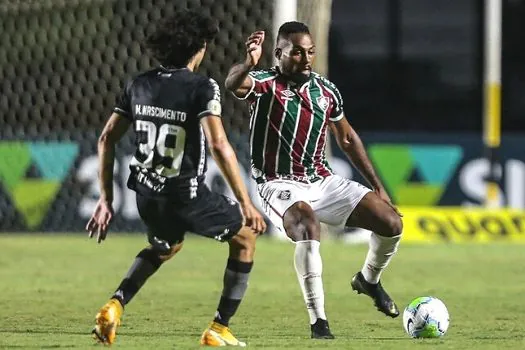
(291, 109)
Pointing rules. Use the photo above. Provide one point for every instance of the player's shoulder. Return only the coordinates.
(324, 81)
(141, 77)
(205, 83)
(264, 74)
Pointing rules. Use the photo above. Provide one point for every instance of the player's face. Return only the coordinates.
(296, 55)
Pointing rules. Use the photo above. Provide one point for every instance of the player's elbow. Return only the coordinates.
(236, 87)
(106, 139)
(220, 147)
(233, 88)
(345, 142)
(229, 84)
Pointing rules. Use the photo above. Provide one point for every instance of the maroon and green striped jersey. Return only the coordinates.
(288, 126)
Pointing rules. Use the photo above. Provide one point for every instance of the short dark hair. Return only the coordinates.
(292, 27)
(177, 38)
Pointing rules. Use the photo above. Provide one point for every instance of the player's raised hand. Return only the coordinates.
(253, 218)
(254, 47)
(100, 220)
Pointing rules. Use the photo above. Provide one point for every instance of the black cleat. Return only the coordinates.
(382, 300)
(321, 330)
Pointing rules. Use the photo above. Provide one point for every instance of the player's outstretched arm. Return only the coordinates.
(351, 144)
(225, 157)
(115, 128)
(237, 80)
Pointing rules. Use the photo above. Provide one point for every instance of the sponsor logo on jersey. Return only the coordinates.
(323, 102)
(284, 195)
(287, 94)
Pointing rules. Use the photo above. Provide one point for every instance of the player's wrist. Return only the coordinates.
(249, 64)
(245, 202)
(107, 199)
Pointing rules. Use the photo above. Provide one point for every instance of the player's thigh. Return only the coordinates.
(339, 198)
(213, 215)
(374, 214)
(165, 228)
(278, 196)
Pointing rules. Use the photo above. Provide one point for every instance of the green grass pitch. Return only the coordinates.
(51, 286)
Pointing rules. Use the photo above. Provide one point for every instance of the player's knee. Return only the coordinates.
(300, 223)
(174, 249)
(394, 225)
(242, 245)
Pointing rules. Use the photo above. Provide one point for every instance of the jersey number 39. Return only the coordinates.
(161, 149)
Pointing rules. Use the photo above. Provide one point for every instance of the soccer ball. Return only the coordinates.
(426, 317)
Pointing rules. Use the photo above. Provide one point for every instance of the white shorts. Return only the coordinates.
(332, 199)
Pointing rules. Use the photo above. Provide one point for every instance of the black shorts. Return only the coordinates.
(210, 215)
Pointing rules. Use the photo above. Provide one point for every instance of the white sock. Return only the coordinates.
(309, 268)
(380, 251)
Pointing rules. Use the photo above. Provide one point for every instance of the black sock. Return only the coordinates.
(146, 264)
(235, 284)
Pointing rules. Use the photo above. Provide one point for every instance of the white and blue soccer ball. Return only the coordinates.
(426, 317)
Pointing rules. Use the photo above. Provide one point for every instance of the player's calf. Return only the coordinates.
(147, 262)
(235, 284)
(303, 227)
(174, 249)
(236, 275)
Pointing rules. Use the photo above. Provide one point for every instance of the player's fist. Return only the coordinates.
(254, 47)
(253, 218)
(100, 220)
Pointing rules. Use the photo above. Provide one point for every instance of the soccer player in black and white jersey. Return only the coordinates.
(175, 113)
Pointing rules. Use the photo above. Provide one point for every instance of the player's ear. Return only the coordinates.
(278, 53)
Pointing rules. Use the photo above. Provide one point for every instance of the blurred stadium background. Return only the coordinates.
(414, 79)
(411, 73)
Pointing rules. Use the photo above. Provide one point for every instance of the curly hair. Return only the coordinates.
(177, 38)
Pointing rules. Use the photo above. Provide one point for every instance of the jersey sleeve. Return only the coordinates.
(208, 99)
(123, 102)
(261, 83)
(337, 110)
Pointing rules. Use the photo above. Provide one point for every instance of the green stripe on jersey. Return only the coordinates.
(311, 146)
(325, 162)
(287, 139)
(264, 104)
